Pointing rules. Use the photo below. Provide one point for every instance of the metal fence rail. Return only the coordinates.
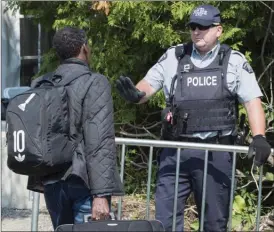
(178, 145)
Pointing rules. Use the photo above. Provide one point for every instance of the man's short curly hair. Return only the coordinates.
(68, 42)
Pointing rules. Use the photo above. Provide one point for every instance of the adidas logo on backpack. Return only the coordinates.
(20, 158)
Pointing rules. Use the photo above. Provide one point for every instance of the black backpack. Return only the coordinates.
(38, 129)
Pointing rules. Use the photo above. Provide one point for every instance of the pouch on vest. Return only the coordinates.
(38, 130)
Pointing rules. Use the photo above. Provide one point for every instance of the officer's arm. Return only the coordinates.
(144, 86)
(154, 79)
(249, 93)
(256, 116)
(149, 85)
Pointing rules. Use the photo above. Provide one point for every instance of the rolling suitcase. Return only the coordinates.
(114, 225)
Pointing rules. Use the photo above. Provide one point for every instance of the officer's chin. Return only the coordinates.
(200, 45)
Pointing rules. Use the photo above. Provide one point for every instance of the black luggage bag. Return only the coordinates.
(115, 225)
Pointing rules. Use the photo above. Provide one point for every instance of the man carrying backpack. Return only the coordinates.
(85, 185)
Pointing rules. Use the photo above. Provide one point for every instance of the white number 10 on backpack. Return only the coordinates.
(19, 141)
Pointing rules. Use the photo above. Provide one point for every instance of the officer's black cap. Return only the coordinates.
(205, 15)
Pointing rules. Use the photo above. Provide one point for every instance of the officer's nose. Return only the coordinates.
(196, 31)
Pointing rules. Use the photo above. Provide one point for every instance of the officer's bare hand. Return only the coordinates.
(100, 208)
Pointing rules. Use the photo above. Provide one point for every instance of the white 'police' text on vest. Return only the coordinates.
(202, 81)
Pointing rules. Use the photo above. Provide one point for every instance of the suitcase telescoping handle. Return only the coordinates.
(88, 217)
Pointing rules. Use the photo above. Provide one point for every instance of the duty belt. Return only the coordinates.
(226, 140)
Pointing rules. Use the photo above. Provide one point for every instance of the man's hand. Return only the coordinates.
(128, 90)
(261, 148)
(100, 208)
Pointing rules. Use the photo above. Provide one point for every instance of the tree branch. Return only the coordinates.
(267, 196)
(138, 135)
(191, 208)
(138, 165)
(145, 128)
(244, 186)
(262, 88)
(267, 67)
(271, 89)
(267, 6)
(265, 38)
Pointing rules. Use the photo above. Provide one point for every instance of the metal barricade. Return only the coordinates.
(177, 145)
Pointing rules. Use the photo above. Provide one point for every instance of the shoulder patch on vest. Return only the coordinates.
(238, 53)
(163, 57)
(247, 67)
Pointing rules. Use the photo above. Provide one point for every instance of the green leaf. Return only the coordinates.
(239, 204)
(236, 221)
(269, 176)
(195, 225)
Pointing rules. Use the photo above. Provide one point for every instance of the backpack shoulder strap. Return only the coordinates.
(46, 78)
(51, 78)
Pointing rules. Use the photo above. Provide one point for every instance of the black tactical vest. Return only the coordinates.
(202, 101)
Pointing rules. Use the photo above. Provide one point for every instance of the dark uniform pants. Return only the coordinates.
(191, 179)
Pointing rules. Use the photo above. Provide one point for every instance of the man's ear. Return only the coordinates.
(85, 49)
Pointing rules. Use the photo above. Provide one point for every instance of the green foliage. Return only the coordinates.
(136, 172)
(135, 34)
(244, 211)
(269, 176)
(195, 225)
(50, 62)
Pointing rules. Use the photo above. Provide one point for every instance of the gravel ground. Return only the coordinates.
(20, 220)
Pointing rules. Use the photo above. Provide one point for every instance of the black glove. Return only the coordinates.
(261, 148)
(128, 90)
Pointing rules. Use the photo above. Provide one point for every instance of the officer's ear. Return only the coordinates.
(219, 30)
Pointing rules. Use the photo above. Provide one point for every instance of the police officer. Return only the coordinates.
(209, 80)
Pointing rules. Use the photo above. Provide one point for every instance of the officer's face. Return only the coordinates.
(205, 38)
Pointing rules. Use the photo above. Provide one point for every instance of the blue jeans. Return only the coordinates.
(68, 201)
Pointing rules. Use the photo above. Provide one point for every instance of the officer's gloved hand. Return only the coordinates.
(261, 148)
(127, 90)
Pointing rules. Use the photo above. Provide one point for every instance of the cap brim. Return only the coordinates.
(200, 22)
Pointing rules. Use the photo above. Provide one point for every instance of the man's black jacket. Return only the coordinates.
(90, 105)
